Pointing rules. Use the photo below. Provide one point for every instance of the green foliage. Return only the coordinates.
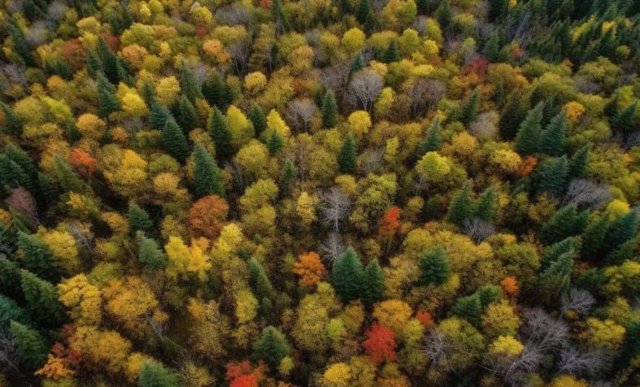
(579, 161)
(621, 230)
(432, 138)
(221, 135)
(11, 311)
(553, 139)
(41, 299)
(552, 176)
(373, 286)
(189, 84)
(486, 206)
(258, 119)
(37, 258)
(260, 281)
(149, 252)
(468, 111)
(187, 116)
(174, 140)
(434, 267)
(155, 374)
(565, 222)
(139, 219)
(347, 157)
(347, 275)
(461, 206)
(469, 308)
(217, 92)
(271, 347)
(329, 110)
(31, 348)
(275, 143)
(528, 137)
(513, 114)
(12, 123)
(206, 174)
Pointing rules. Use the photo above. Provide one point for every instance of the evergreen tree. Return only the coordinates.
(423, 7)
(20, 44)
(94, 64)
(149, 252)
(432, 139)
(347, 157)
(221, 135)
(564, 223)
(569, 245)
(552, 176)
(158, 115)
(528, 137)
(41, 299)
(9, 275)
(497, 8)
(217, 92)
(498, 96)
(257, 117)
(469, 308)
(109, 61)
(67, 178)
(347, 276)
(275, 143)
(468, 112)
(444, 15)
(579, 161)
(630, 348)
(260, 281)
(621, 230)
(593, 237)
(391, 54)
(107, 102)
(513, 114)
(625, 120)
(187, 116)
(189, 84)
(373, 287)
(154, 374)
(287, 176)
(488, 294)
(553, 140)
(460, 207)
(271, 347)
(139, 220)
(12, 124)
(28, 171)
(11, 311)
(329, 110)
(206, 174)
(363, 14)
(486, 206)
(555, 280)
(174, 140)
(281, 18)
(622, 253)
(434, 267)
(611, 108)
(37, 258)
(30, 347)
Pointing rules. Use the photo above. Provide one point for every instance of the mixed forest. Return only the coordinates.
(319, 193)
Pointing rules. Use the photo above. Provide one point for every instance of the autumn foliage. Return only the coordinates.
(310, 268)
(207, 216)
(380, 343)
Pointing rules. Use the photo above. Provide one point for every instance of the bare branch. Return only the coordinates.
(334, 207)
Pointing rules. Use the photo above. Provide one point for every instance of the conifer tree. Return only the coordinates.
(109, 61)
(139, 219)
(28, 173)
(469, 308)
(260, 281)
(391, 54)
(281, 19)
(553, 140)
(12, 124)
(41, 299)
(329, 110)
(432, 139)
(555, 280)
(287, 177)
(434, 267)
(155, 374)
(9, 275)
(66, 176)
(461, 207)
(149, 252)
(189, 84)
(221, 135)
(347, 276)
(569, 245)
(258, 119)
(158, 115)
(37, 258)
(513, 114)
(486, 206)
(217, 92)
(187, 116)
(373, 287)
(621, 230)
(468, 112)
(107, 102)
(624, 120)
(347, 157)
(20, 44)
(275, 143)
(423, 7)
(444, 15)
(565, 222)
(94, 64)
(11, 311)
(579, 161)
(174, 140)
(488, 294)
(528, 137)
(497, 8)
(206, 174)
(552, 176)
(30, 347)
(271, 347)
(363, 14)
(593, 237)
(611, 108)
(630, 348)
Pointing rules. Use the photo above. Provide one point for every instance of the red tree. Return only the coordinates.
(380, 344)
(82, 162)
(244, 375)
(390, 222)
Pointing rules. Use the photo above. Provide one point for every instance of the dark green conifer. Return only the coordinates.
(221, 135)
(528, 137)
(158, 115)
(155, 374)
(469, 109)
(189, 84)
(391, 54)
(488, 294)
(206, 174)
(460, 207)
(107, 102)
(497, 8)
(41, 299)
(12, 124)
(621, 230)
(469, 308)
(329, 110)
(187, 115)
(20, 44)
(569, 245)
(434, 267)
(9, 274)
(444, 15)
(174, 140)
(373, 287)
(625, 120)
(564, 223)
(271, 347)
(139, 220)
(486, 206)
(258, 119)
(10, 310)
(287, 176)
(37, 258)
(432, 139)
(555, 280)
(30, 347)
(347, 157)
(149, 252)
(347, 276)
(553, 140)
(513, 113)
(66, 176)
(363, 14)
(275, 143)
(552, 176)
(217, 92)
(281, 18)
(109, 61)
(260, 281)
(593, 237)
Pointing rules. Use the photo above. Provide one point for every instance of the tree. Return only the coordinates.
(275, 143)
(189, 84)
(565, 222)
(391, 54)
(107, 100)
(329, 110)
(260, 281)
(485, 208)
(20, 44)
(468, 112)
(434, 267)
(41, 299)
(187, 115)
(207, 216)
(365, 87)
(37, 257)
(469, 308)
(206, 174)
(621, 230)
(158, 115)
(552, 176)
(579, 161)
(174, 140)
(271, 347)
(217, 92)
(373, 285)
(31, 348)
(139, 220)
(258, 119)
(281, 18)
(528, 136)
(553, 138)
(555, 279)
(594, 236)
(432, 138)
(497, 8)
(12, 123)
(288, 175)
(154, 374)
(347, 157)
(347, 276)
(380, 343)
(513, 114)
(363, 13)
(461, 206)
(221, 135)
(310, 268)
(149, 252)
(624, 120)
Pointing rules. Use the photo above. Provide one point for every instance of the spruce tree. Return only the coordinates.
(20, 44)
(41, 299)
(432, 139)
(552, 176)
(155, 374)
(624, 121)
(611, 108)
(94, 64)
(497, 8)
(621, 230)
(206, 174)
(469, 308)
(271, 347)
(9, 275)
(528, 137)
(391, 54)
(66, 176)
(513, 114)
(189, 84)
(109, 61)
(12, 123)
(174, 140)
(363, 14)
(347, 157)
(107, 102)
(488, 294)
(347, 276)
(434, 267)
(468, 112)
(444, 15)
(630, 348)
(275, 143)
(139, 220)
(460, 207)
(594, 236)
(258, 119)
(423, 7)
(329, 110)
(221, 135)
(158, 115)
(555, 280)
(373, 287)
(149, 252)
(564, 223)
(187, 115)
(11, 311)
(30, 347)
(579, 161)
(486, 206)
(217, 92)
(287, 177)
(260, 281)
(28, 169)
(37, 258)
(553, 140)
(281, 18)
(569, 245)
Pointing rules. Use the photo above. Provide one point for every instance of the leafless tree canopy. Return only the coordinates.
(371, 161)
(485, 126)
(588, 363)
(425, 93)
(587, 193)
(332, 247)
(436, 346)
(579, 300)
(365, 87)
(334, 207)
(478, 229)
(22, 201)
(300, 113)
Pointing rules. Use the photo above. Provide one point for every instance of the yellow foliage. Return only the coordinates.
(566, 380)
(506, 346)
(103, 348)
(130, 301)
(306, 208)
(353, 40)
(359, 123)
(167, 90)
(275, 122)
(500, 319)
(393, 313)
(337, 375)
(505, 160)
(605, 334)
(215, 50)
(90, 125)
(616, 208)
(240, 127)
(229, 239)
(433, 167)
(134, 365)
(574, 111)
(246, 306)
(255, 82)
(63, 246)
(184, 260)
(82, 298)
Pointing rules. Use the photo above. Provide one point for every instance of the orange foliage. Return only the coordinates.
(390, 222)
(55, 368)
(265, 4)
(527, 165)
(207, 216)
(380, 344)
(425, 318)
(82, 162)
(201, 31)
(310, 268)
(510, 286)
(73, 53)
(244, 375)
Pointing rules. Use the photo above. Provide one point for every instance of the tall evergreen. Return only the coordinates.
(221, 135)
(20, 44)
(109, 61)
(553, 140)
(282, 22)
(579, 161)
(155, 374)
(271, 347)
(555, 280)
(189, 84)
(260, 281)
(217, 92)
(347, 276)
(432, 139)
(486, 206)
(275, 143)
(206, 174)
(347, 157)
(150, 254)
(528, 137)
(158, 115)
(139, 219)
(497, 8)
(41, 299)
(37, 258)
(460, 207)
(329, 110)
(593, 237)
(373, 287)
(9, 276)
(187, 115)
(30, 347)
(258, 119)
(513, 114)
(66, 176)
(363, 13)
(288, 175)
(174, 140)
(564, 223)
(569, 245)
(11, 311)
(621, 230)
(391, 54)
(444, 15)
(12, 124)
(107, 102)
(552, 176)
(434, 267)
(468, 112)
(624, 121)
(469, 308)
(94, 64)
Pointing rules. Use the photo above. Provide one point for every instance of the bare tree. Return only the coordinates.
(545, 332)
(485, 126)
(22, 201)
(424, 94)
(589, 363)
(38, 32)
(478, 229)
(300, 113)
(8, 350)
(365, 87)
(233, 14)
(371, 160)
(436, 346)
(332, 247)
(579, 300)
(585, 192)
(56, 10)
(239, 52)
(334, 207)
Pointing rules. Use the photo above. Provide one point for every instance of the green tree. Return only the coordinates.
(221, 135)
(391, 54)
(206, 174)
(497, 8)
(594, 236)
(217, 92)
(347, 275)
(579, 162)
(432, 138)
(9, 275)
(20, 44)
(258, 119)
(12, 123)
(486, 206)
(624, 121)
(41, 299)
(569, 245)
(37, 258)
(552, 176)
(460, 207)
(329, 110)
(564, 223)
(31, 348)
(281, 18)
(444, 15)
(107, 102)
(468, 112)
(513, 113)
(11, 311)
(373, 287)
(158, 115)
(275, 143)
(139, 220)
(469, 308)
(434, 267)
(528, 137)
(287, 176)
(66, 176)
(189, 84)
(555, 280)
(553, 139)
(187, 115)
(174, 140)
(363, 13)
(347, 157)
(155, 374)
(621, 230)
(260, 281)
(150, 253)
(271, 347)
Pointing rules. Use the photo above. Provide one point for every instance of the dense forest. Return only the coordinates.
(319, 193)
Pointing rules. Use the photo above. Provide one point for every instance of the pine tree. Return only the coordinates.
(158, 115)
(12, 124)
(271, 347)
(217, 92)
(555, 280)
(189, 84)
(444, 15)
(206, 174)
(347, 157)
(154, 374)
(275, 143)
(513, 114)
(630, 349)
(281, 19)
(469, 308)
(363, 14)
(347, 276)
(174, 140)
(94, 64)
(460, 207)
(9, 275)
(28, 174)
(187, 115)
(611, 108)
(579, 161)
(373, 287)
(37, 258)
(66, 176)
(552, 176)
(109, 61)
(553, 140)
(497, 8)
(391, 54)
(30, 347)
(329, 110)
(528, 137)
(569, 245)
(149, 252)
(624, 121)
(564, 223)
(41, 299)
(258, 119)
(221, 135)
(486, 206)
(107, 102)
(432, 139)
(434, 267)
(621, 230)
(139, 220)
(11, 311)
(260, 281)
(593, 237)
(469, 109)
(20, 44)
(488, 294)
(287, 177)
(423, 7)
